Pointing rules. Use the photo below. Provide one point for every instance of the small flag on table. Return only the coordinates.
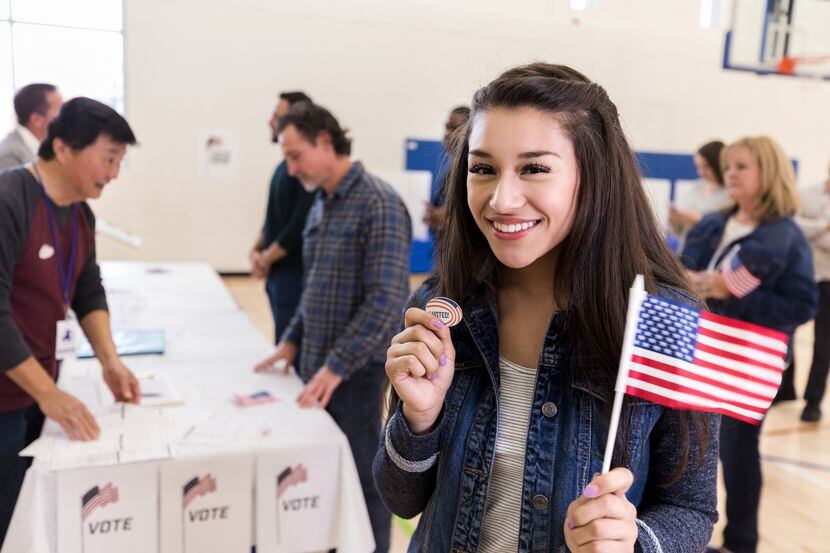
(683, 358)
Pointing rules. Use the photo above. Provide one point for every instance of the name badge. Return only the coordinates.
(65, 338)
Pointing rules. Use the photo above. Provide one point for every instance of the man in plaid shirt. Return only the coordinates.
(356, 247)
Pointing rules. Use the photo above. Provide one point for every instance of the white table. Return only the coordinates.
(211, 347)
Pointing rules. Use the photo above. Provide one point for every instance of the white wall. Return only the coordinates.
(389, 69)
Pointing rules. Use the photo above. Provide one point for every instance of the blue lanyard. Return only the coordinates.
(65, 275)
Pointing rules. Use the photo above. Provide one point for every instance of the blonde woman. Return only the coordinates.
(752, 263)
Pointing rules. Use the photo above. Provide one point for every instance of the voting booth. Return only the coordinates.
(200, 472)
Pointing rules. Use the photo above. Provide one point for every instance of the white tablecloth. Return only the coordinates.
(211, 347)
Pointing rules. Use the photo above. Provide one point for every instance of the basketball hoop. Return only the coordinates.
(788, 65)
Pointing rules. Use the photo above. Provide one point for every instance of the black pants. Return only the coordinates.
(17, 430)
(355, 407)
(742, 478)
(817, 383)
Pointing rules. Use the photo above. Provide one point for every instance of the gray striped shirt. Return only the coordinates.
(500, 528)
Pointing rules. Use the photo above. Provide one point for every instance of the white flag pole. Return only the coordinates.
(635, 300)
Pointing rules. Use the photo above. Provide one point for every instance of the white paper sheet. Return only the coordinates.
(296, 492)
(206, 505)
(108, 509)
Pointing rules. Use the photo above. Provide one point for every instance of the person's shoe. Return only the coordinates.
(811, 413)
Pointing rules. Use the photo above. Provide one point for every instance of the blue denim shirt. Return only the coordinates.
(778, 254)
(445, 474)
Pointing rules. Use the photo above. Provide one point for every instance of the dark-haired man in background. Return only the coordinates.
(47, 266)
(356, 252)
(434, 210)
(35, 106)
(277, 254)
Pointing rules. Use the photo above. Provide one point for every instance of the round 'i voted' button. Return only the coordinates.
(445, 310)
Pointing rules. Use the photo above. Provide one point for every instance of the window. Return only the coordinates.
(77, 45)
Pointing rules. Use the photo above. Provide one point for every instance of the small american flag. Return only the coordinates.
(736, 277)
(196, 487)
(689, 359)
(98, 497)
(290, 477)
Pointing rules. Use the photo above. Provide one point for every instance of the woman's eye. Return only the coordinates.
(534, 168)
(481, 169)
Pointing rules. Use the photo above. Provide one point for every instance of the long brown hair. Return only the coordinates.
(613, 238)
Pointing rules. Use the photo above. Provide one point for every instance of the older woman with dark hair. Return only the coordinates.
(708, 194)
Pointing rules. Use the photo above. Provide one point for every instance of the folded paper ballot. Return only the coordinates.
(129, 342)
(157, 390)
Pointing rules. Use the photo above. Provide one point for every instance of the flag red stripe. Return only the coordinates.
(740, 282)
(743, 325)
(204, 486)
(674, 404)
(699, 378)
(734, 286)
(736, 373)
(736, 357)
(738, 341)
(634, 374)
(297, 476)
(100, 500)
(103, 498)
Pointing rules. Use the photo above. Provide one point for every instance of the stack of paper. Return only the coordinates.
(158, 390)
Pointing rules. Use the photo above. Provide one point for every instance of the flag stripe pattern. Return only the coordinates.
(687, 359)
(196, 487)
(98, 497)
(290, 477)
(736, 277)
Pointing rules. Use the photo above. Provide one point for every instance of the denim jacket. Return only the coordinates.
(445, 473)
(778, 254)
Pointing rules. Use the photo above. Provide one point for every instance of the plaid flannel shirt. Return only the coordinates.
(356, 247)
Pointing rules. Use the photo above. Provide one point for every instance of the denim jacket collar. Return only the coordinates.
(480, 311)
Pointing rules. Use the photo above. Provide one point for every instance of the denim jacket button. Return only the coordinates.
(540, 501)
(549, 409)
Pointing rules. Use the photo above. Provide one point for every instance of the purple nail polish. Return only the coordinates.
(433, 378)
(590, 491)
(443, 360)
(570, 525)
(437, 324)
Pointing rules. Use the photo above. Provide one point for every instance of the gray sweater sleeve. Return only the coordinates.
(405, 466)
(661, 528)
(15, 220)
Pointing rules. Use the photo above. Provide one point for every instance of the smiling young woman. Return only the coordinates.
(497, 426)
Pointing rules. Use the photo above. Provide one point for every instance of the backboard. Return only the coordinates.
(779, 37)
